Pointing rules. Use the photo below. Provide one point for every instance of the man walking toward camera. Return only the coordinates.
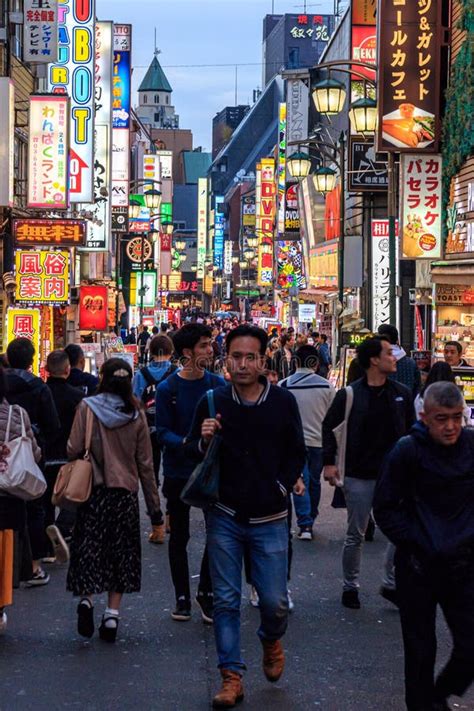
(424, 503)
(261, 457)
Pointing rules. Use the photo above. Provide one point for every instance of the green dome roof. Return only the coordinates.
(155, 79)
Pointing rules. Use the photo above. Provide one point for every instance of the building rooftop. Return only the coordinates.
(155, 78)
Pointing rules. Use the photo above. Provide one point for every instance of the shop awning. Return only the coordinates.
(459, 272)
(317, 295)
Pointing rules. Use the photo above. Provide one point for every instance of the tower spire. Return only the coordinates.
(157, 51)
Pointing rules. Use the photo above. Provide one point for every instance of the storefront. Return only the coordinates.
(453, 313)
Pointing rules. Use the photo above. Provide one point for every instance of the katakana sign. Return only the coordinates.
(421, 201)
(42, 276)
(41, 233)
(380, 272)
(40, 31)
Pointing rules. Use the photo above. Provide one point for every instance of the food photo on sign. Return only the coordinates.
(421, 197)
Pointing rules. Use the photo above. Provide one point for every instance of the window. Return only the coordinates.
(157, 98)
(167, 99)
(294, 58)
(17, 36)
(145, 99)
(157, 118)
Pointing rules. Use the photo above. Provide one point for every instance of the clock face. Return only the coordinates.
(134, 249)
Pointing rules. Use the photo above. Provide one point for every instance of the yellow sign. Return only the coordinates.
(42, 276)
(323, 266)
(266, 209)
(25, 323)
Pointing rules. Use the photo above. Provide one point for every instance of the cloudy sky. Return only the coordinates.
(202, 32)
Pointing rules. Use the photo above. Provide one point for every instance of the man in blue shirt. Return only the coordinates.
(176, 400)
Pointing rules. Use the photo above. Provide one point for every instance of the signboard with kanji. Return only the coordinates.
(380, 272)
(42, 276)
(41, 233)
(366, 173)
(93, 308)
(121, 97)
(25, 323)
(421, 201)
(40, 31)
(409, 80)
(265, 212)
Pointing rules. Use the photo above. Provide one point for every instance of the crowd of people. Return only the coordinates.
(388, 443)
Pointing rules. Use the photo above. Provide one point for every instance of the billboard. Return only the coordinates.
(219, 224)
(7, 144)
(366, 173)
(43, 233)
(421, 206)
(297, 113)
(121, 96)
(40, 31)
(48, 152)
(42, 276)
(93, 308)
(290, 265)
(292, 214)
(380, 272)
(266, 208)
(73, 74)
(281, 167)
(25, 323)
(202, 226)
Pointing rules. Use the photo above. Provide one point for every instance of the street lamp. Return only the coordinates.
(180, 244)
(329, 96)
(363, 116)
(249, 254)
(167, 227)
(324, 180)
(152, 199)
(134, 209)
(299, 165)
(252, 242)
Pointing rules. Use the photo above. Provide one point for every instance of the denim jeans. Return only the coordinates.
(359, 495)
(267, 544)
(306, 506)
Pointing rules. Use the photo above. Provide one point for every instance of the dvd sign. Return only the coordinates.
(292, 213)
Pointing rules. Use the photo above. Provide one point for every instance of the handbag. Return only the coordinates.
(74, 481)
(340, 433)
(20, 476)
(202, 488)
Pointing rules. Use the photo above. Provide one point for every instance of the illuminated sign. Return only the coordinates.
(292, 221)
(121, 93)
(266, 220)
(151, 170)
(7, 144)
(409, 80)
(93, 308)
(40, 31)
(25, 323)
(228, 257)
(313, 27)
(73, 74)
(149, 289)
(281, 167)
(421, 203)
(41, 233)
(290, 265)
(202, 226)
(219, 222)
(323, 265)
(42, 276)
(364, 48)
(364, 12)
(134, 250)
(380, 272)
(48, 152)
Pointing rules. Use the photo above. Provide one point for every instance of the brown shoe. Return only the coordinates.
(158, 534)
(273, 659)
(231, 691)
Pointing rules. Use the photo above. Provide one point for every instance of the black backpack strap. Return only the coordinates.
(150, 380)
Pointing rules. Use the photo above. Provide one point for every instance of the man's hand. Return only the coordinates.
(299, 488)
(209, 428)
(331, 474)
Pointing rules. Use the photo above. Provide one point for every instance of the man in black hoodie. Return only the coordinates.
(424, 503)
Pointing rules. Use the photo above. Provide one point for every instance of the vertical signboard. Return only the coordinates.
(40, 31)
(266, 222)
(93, 308)
(281, 168)
(380, 273)
(228, 257)
(202, 226)
(48, 152)
(409, 80)
(25, 323)
(73, 74)
(297, 112)
(219, 222)
(121, 97)
(7, 144)
(421, 202)
(42, 276)
(151, 170)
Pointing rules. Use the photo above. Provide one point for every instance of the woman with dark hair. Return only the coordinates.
(440, 371)
(283, 359)
(105, 547)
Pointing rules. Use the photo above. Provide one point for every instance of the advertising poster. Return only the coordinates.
(93, 308)
(40, 31)
(42, 276)
(219, 224)
(292, 212)
(42, 233)
(266, 208)
(281, 168)
(121, 97)
(290, 265)
(421, 205)
(202, 226)
(380, 273)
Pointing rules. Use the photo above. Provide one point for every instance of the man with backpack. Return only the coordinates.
(145, 384)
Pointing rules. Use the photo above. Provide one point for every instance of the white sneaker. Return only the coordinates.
(253, 597)
(291, 604)
(61, 548)
(3, 622)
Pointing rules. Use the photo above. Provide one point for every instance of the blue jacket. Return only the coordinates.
(157, 370)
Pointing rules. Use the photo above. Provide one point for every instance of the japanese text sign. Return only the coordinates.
(380, 272)
(42, 276)
(73, 74)
(266, 207)
(48, 152)
(421, 201)
(93, 308)
(41, 233)
(292, 212)
(121, 97)
(364, 48)
(202, 226)
(25, 323)
(281, 167)
(7, 144)
(40, 31)
(228, 257)
(219, 222)
(409, 80)
(364, 12)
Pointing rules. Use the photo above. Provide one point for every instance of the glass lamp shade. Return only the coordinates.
(249, 254)
(153, 200)
(243, 264)
(324, 180)
(167, 227)
(363, 116)
(180, 244)
(235, 260)
(252, 242)
(329, 96)
(194, 267)
(299, 165)
(134, 209)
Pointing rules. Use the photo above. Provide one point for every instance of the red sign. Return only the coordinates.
(165, 242)
(364, 48)
(332, 214)
(93, 308)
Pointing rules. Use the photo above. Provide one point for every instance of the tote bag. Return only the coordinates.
(340, 433)
(20, 476)
(73, 485)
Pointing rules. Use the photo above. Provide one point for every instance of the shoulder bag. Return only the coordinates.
(340, 433)
(202, 488)
(74, 481)
(20, 476)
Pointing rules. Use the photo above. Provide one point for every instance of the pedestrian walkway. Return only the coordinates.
(338, 659)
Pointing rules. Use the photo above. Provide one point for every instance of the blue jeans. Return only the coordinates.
(307, 506)
(267, 544)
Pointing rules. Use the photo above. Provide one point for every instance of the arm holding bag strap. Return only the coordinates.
(202, 488)
(73, 485)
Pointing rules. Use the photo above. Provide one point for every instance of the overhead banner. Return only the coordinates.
(25, 323)
(73, 74)
(380, 272)
(7, 144)
(266, 209)
(48, 152)
(40, 31)
(93, 308)
(42, 276)
(202, 226)
(45, 233)
(219, 223)
(121, 106)
(421, 206)
(409, 80)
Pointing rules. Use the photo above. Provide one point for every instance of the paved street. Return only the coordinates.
(337, 659)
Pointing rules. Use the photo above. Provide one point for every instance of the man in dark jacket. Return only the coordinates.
(28, 391)
(381, 413)
(78, 377)
(262, 456)
(424, 503)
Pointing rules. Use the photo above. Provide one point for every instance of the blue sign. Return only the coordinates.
(121, 89)
(219, 221)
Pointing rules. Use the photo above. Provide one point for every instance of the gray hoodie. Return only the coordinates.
(108, 409)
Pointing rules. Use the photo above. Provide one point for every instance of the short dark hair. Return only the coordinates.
(161, 346)
(285, 338)
(391, 332)
(246, 331)
(189, 335)
(116, 378)
(454, 343)
(324, 337)
(315, 334)
(57, 362)
(20, 353)
(74, 353)
(307, 357)
(442, 394)
(155, 330)
(370, 348)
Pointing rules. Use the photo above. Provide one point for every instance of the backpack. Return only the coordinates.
(149, 393)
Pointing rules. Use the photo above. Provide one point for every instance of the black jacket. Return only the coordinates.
(424, 499)
(25, 389)
(262, 452)
(86, 381)
(66, 398)
(402, 411)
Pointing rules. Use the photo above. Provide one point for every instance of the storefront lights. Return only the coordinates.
(167, 227)
(299, 165)
(324, 180)
(249, 254)
(134, 209)
(329, 96)
(180, 244)
(363, 116)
